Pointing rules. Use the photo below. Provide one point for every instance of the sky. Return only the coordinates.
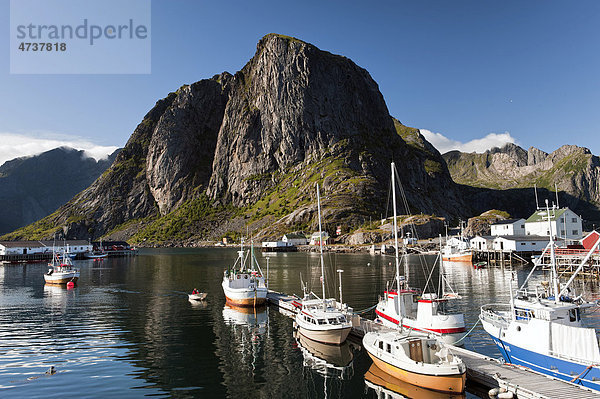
(470, 74)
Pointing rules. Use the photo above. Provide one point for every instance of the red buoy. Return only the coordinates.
(70, 285)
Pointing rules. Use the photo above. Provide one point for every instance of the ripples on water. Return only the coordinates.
(128, 330)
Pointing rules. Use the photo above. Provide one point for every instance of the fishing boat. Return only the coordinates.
(420, 360)
(388, 387)
(61, 270)
(403, 306)
(542, 328)
(243, 283)
(321, 319)
(457, 249)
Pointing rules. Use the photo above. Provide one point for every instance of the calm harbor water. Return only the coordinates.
(128, 330)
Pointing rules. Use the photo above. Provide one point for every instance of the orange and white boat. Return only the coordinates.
(388, 387)
(417, 359)
(243, 283)
(457, 249)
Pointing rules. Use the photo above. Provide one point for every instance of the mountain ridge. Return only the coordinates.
(247, 149)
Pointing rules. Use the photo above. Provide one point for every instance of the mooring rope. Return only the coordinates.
(468, 332)
(365, 310)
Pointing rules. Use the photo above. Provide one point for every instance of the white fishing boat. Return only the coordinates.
(61, 270)
(542, 328)
(420, 360)
(321, 319)
(403, 306)
(243, 283)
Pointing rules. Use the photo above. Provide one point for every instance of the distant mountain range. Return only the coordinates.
(34, 187)
(243, 152)
(573, 170)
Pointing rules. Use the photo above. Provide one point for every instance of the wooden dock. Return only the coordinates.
(486, 371)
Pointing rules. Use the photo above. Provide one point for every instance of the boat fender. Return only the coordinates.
(505, 395)
(70, 284)
(493, 393)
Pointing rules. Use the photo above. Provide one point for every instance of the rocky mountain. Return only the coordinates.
(247, 150)
(574, 170)
(34, 187)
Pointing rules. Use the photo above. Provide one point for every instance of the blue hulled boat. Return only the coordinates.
(542, 329)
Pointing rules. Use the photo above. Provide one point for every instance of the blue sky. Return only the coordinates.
(527, 71)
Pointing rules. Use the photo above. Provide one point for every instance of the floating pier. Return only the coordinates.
(486, 371)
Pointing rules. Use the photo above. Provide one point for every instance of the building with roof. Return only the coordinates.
(44, 247)
(528, 243)
(482, 243)
(564, 223)
(316, 237)
(295, 239)
(508, 227)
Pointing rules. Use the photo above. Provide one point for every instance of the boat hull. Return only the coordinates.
(465, 257)
(246, 302)
(332, 336)
(449, 383)
(197, 297)
(549, 365)
(61, 279)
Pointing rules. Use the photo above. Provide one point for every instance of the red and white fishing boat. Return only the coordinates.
(405, 307)
(61, 270)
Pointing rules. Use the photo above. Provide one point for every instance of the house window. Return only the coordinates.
(562, 232)
(575, 232)
(574, 220)
(522, 243)
(522, 226)
(533, 243)
(560, 220)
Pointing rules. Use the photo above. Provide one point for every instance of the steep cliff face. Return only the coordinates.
(250, 147)
(574, 170)
(182, 147)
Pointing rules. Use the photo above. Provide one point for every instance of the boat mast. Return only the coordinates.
(395, 228)
(321, 246)
(552, 257)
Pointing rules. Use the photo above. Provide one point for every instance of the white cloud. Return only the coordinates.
(15, 145)
(443, 144)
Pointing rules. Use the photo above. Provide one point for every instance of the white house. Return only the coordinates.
(295, 239)
(40, 247)
(520, 243)
(315, 238)
(508, 227)
(482, 243)
(565, 223)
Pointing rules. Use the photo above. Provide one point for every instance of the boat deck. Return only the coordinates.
(481, 369)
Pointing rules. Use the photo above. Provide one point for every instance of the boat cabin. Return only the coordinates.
(323, 320)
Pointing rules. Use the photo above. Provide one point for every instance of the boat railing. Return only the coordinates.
(490, 313)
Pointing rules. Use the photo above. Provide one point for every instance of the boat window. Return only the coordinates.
(321, 321)
(342, 319)
(332, 321)
(381, 345)
(388, 348)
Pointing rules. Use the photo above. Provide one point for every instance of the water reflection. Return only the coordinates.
(330, 361)
(385, 386)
